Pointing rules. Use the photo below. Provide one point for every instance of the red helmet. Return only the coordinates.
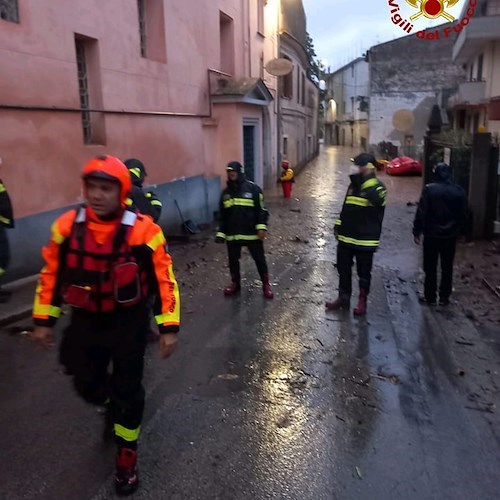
(285, 164)
(109, 168)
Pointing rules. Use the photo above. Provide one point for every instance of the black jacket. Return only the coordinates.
(360, 222)
(442, 210)
(242, 211)
(6, 221)
(146, 202)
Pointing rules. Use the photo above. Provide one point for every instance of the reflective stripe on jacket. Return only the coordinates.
(148, 246)
(146, 202)
(360, 222)
(242, 212)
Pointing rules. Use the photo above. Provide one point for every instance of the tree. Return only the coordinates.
(314, 69)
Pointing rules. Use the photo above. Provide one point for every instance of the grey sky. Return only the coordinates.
(343, 29)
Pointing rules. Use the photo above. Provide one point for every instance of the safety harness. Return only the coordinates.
(102, 277)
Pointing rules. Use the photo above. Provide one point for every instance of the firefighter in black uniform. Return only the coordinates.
(243, 223)
(358, 232)
(6, 222)
(144, 201)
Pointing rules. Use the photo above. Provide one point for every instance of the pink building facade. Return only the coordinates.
(179, 85)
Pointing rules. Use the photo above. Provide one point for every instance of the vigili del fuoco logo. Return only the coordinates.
(408, 18)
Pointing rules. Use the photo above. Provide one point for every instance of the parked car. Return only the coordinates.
(404, 165)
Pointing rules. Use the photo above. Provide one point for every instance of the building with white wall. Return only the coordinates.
(299, 95)
(477, 49)
(346, 105)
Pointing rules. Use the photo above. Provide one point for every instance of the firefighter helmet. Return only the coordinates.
(137, 170)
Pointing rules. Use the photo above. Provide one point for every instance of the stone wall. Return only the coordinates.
(408, 74)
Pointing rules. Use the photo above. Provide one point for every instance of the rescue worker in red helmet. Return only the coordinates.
(104, 260)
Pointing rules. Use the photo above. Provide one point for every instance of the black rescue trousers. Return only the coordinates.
(364, 262)
(94, 341)
(256, 249)
(438, 249)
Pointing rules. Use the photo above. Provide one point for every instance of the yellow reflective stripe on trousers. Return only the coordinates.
(242, 237)
(261, 227)
(156, 203)
(239, 202)
(359, 243)
(369, 183)
(4, 220)
(2, 188)
(157, 241)
(360, 202)
(220, 235)
(127, 434)
(338, 222)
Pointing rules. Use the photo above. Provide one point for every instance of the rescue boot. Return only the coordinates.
(342, 303)
(266, 287)
(362, 306)
(234, 288)
(126, 478)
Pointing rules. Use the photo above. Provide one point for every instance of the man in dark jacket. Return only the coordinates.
(6, 222)
(358, 232)
(145, 202)
(243, 223)
(441, 218)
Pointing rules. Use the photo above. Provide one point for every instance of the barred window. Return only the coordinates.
(151, 24)
(83, 88)
(9, 11)
(142, 26)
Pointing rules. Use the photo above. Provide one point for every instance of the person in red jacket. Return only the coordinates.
(287, 179)
(104, 261)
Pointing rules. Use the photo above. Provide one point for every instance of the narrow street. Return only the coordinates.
(279, 399)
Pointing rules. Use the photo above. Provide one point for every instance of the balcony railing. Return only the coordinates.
(469, 94)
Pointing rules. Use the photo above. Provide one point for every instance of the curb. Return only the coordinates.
(21, 304)
(16, 316)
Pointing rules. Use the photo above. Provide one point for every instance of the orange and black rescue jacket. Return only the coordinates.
(103, 267)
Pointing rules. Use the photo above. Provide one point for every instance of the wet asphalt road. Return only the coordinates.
(271, 399)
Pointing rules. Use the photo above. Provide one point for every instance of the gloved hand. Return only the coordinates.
(219, 240)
